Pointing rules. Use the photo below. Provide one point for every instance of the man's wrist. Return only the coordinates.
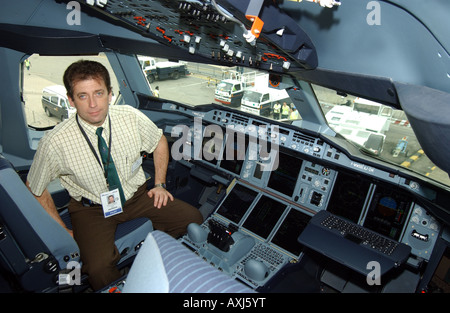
(163, 185)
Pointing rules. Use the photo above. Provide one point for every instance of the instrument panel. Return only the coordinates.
(280, 178)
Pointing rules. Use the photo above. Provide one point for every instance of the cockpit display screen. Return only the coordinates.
(237, 203)
(388, 212)
(288, 232)
(234, 153)
(264, 216)
(283, 179)
(349, 195)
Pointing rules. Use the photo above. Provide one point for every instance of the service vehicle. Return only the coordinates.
(261, 101)
(162, 70)
(55, 102)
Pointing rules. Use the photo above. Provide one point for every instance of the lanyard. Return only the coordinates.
(105, 173)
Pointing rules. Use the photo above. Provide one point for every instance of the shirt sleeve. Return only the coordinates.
(150, 134)
(45, 166)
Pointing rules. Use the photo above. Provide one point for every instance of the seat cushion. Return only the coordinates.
(163, 264)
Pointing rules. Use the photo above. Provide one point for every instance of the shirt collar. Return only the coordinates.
(90, 129)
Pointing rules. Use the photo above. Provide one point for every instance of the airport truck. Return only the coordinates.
(260, 101)
(230, 92)
(162, 70)
(231, 88)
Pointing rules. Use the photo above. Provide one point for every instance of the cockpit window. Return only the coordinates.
(239, 88)
(43, 90)
(378, 130)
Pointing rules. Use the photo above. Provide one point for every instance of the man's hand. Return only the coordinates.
(161, 196)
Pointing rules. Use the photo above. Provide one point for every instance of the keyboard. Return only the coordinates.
(264, 252)
(360, 235)
(351, 244)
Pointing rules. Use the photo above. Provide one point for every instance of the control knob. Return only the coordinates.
(196, 233)
(256, 270)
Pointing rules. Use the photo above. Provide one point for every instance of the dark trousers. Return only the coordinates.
(94, 233)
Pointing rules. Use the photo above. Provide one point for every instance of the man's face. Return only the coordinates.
(91, 99)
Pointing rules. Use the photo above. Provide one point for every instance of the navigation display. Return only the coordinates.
(288, 232)
(237, 203)
(211, 146)
(388, 211)
(349, 195)
(234, 153)
(264, 216)
(283, 179)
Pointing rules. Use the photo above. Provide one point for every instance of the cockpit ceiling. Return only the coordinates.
(394, 40)
(400, 41)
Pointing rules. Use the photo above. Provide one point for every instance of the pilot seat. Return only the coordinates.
(35, 249)
(165, 265)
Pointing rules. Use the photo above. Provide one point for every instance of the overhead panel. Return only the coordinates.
(236, 33)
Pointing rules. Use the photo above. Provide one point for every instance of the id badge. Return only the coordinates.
(111, 203)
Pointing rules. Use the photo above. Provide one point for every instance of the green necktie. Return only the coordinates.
(111, 173)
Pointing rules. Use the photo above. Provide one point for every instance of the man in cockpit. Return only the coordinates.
(73, 152)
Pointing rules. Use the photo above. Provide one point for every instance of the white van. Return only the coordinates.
(55, 102)
(229, 92)
(372, 142)
(261, 101)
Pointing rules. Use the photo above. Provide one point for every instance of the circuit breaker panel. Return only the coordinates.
(233, 32)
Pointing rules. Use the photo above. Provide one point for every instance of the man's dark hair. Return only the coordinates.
(82, 70)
